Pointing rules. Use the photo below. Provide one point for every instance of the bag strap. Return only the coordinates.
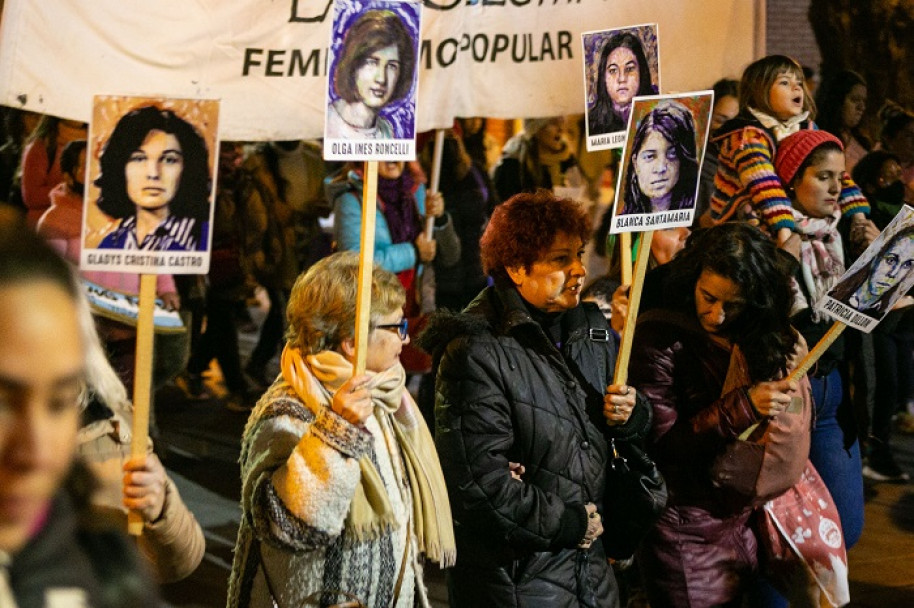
(598, 331)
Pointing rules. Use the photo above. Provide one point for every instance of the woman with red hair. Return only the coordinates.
(524, 414)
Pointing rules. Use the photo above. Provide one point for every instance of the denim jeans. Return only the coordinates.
(840, 468)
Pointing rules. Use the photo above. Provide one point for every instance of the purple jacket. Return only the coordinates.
(702, 551)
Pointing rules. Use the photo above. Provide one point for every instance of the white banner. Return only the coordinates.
(266, 59)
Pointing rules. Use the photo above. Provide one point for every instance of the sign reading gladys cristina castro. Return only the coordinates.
(266, 60)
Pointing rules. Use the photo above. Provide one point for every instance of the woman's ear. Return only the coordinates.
(517, 273)
(348, 348)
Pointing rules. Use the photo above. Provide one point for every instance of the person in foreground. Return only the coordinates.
(341, 486)
(523, 414)
(52, 548)
(726, 314)
(172, 540)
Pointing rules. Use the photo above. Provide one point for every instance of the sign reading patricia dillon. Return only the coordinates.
(882, 275)
(373, 79)
(150, 183)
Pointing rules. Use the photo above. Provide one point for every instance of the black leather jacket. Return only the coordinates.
(505, 393)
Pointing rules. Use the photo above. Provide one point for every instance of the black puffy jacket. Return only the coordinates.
(505, 393)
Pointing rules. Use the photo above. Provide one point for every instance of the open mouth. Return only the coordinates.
(379, 93)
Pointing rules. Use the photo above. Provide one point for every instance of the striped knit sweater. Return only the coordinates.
(299, 472)
(746, 182)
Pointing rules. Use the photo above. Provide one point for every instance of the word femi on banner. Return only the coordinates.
(267, 60)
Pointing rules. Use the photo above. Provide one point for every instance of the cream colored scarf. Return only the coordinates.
(780, 129)
(370, 513)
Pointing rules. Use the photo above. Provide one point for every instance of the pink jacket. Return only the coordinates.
(61, 225)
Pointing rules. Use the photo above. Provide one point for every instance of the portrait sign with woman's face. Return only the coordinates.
(371, 88)
(666, 140)
(880, 277)
(150, 182)
(619, 65)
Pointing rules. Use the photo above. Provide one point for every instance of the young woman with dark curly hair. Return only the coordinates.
(726, 308)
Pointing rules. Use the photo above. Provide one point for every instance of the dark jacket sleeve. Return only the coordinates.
(682, 424)
(474, 437)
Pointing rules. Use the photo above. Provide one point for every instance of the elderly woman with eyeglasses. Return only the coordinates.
(341, 486)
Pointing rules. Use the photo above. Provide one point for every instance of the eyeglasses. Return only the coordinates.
(401, 328)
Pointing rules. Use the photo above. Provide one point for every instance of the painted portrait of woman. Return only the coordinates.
(873, 288)
(375, 68)
(155, 178)
(663, 170)
(622, 73)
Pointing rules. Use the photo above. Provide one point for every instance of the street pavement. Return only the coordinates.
(200, 443)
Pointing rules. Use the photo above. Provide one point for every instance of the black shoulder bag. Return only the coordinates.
(636, 492)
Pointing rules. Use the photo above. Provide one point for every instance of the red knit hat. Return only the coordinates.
(794, 149)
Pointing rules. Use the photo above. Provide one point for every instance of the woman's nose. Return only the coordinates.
(718, 313)
(578, 268)
(152, 169)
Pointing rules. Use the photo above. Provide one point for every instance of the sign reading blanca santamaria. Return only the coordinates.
(665, 144)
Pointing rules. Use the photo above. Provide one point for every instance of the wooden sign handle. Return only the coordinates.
(817, 351)
(625, 250)
(366, 265)
(634, 301)
(436, 178)
(142, 382)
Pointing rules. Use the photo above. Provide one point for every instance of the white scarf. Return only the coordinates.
(821, 259)
(780, 129)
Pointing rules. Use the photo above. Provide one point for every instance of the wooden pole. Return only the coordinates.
(142, 382)
(634, 301)
(366, 265)
(818, 350)
(436, 178)
(625, 250)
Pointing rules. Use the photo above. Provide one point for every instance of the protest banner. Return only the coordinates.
(266, 60)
